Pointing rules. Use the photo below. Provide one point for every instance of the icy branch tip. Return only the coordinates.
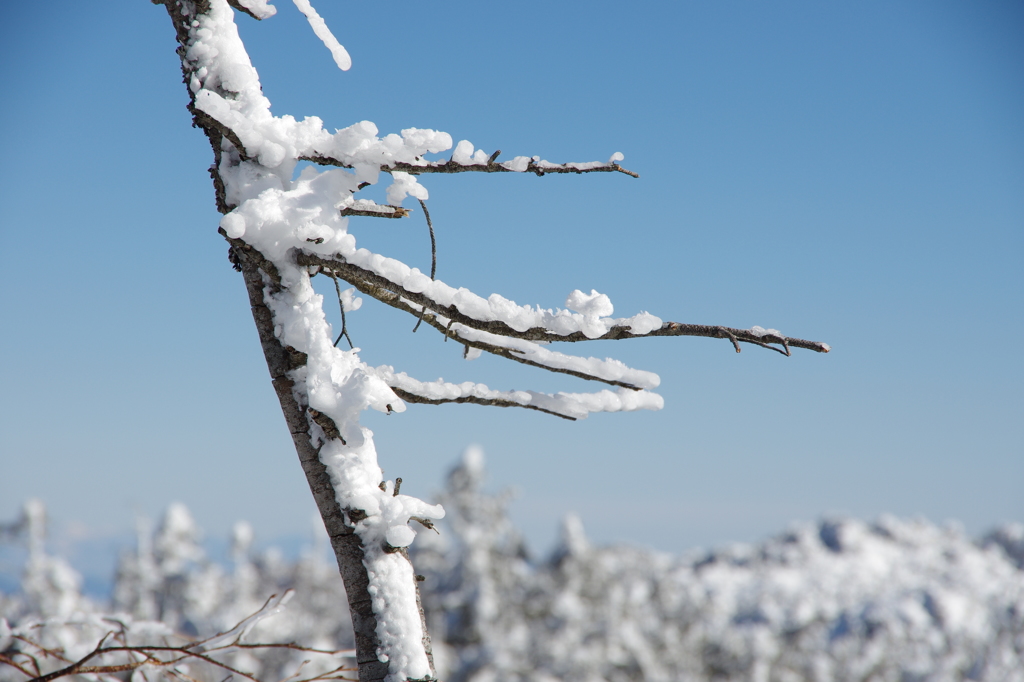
(319, 26)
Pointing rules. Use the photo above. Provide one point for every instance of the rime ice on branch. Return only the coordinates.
(282, 232)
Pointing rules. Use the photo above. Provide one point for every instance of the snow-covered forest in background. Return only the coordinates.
(893, 599)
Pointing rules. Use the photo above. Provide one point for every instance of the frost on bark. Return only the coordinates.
(284, 230)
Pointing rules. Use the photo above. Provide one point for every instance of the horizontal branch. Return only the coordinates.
(735, 335)
(410, 397)
(566, 405)
(539, 168)
(357, 276)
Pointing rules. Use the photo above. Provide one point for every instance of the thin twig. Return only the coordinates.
(188, 678)
(532, 166)
(433, 256)
(296, 673)
(48, 652)
(768, 346)
(426, 523)
(785, 343)
(329, 675)
(149, 658)
(7, 660)
(433, 243)
(341, 307)
(732, 337)
(295, 647)
(496, 402)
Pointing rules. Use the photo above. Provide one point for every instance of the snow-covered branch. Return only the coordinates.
(571, 406)
(470, 163)
(531, 324)
(609, 371)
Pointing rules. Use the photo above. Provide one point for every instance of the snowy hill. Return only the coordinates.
(894, 600)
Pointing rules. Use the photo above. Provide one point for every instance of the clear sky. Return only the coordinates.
(845, 172)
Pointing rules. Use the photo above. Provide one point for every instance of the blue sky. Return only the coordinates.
(851, 173)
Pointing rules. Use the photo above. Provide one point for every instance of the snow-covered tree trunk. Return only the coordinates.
(364, 517)
(347, 545)
(283, 230)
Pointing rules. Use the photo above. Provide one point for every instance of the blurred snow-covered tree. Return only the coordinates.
(841, 600)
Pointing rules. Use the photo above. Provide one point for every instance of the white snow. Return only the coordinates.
(350, 301)
(608, 369)
(403, 185)
(517, 164)
(465, 155)
(590, 305)
(261, 8)
(761, 331)
(575, 405)
(341, 56)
